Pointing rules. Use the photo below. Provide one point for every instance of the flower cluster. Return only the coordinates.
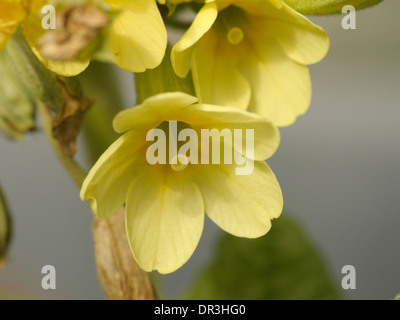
(252, 55)
(247, 62)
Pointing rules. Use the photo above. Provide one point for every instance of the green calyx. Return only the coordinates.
(325, 7)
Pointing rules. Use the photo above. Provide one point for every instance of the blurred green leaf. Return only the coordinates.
(397, 297)
(323, 7)
(34, 77)
(16, 104)
(5, 228)
(281, 265)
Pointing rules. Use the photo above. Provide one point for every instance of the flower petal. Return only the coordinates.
(178, 106)
(12, 13)
(181, 54)
(164, 219)
(266, 135)
(216, 77)
(66, 69)
(108, 181)
(302, 40)
(138, 37)
(281, 87)
(162, 107)
(241, 205)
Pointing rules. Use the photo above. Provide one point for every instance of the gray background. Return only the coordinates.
(338, 167)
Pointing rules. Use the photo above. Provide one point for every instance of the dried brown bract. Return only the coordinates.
(76, 27)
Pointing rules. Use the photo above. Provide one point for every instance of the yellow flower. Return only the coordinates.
(136, 39)
(12, 13)
(252, 54)
(165, 203)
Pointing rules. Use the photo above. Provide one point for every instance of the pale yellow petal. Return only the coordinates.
(241, 205)
(281, 87)
(266, 135)
(216, 77)
(302, 41)
(164, 219)
(66, 69)
(138, 37)
(108, 181)
(178, 106)
(153, 111)
(182, 52)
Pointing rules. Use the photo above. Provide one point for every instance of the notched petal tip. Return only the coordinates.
(153, 110)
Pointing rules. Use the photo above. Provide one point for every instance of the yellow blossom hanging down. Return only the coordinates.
(135, 40)
(165, 203)
(12, 13)
(252, 54)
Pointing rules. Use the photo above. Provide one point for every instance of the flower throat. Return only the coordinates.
(231, 24)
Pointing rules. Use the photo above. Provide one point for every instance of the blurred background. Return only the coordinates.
(338, 167)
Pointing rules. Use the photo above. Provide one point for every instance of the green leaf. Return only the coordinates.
(16, 105)
(281, 265)
(324, 7)
(33, 75)
(397, 297)
(5, 228)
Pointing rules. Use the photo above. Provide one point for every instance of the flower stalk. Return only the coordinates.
(72, 167)
(160, 80)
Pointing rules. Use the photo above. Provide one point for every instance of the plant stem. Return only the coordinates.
(73, 168)
(105, 93)
(161, 79)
